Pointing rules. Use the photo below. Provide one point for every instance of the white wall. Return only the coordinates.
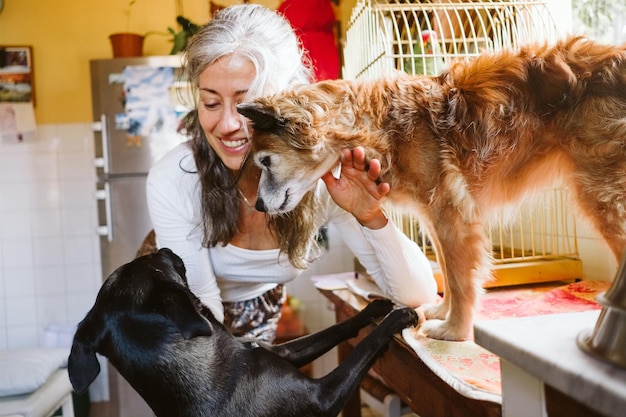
(598, 260)
(49, 256)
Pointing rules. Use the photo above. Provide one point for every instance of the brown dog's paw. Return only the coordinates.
(434, 311)
(443, 330)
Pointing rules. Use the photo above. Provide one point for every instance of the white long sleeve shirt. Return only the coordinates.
(230, 273)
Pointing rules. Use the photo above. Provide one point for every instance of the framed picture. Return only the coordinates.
(16, 74)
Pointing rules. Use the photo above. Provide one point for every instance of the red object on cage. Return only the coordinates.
(314, 22)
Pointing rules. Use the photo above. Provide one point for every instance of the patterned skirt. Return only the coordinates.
(257, 318)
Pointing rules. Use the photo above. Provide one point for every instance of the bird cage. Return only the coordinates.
(421, 37)
(384, 36)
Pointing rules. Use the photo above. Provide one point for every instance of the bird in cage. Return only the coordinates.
(426, 57)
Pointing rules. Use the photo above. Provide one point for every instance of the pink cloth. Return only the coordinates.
(314, 22)
(474, 371)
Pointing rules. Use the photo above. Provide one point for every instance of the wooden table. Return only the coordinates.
(403, 371)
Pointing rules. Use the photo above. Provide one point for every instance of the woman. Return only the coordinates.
(201, 199)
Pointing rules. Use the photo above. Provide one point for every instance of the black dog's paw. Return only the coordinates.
(402, 318)
(378, 308)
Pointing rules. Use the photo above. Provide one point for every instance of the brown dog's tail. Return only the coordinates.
(561, 75)
(540, 80)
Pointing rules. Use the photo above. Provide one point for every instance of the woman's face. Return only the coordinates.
(223, 85)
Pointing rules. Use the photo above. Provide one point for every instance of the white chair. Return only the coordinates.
(55, 393)
(34, 383)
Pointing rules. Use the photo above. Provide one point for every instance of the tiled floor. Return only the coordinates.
(100, 409)
(368, 412)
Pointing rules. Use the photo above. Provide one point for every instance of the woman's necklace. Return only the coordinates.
(250, 208)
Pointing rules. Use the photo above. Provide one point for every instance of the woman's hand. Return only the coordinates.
(357, 189)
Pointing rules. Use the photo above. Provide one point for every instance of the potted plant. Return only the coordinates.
(127, 44)
(179, 39)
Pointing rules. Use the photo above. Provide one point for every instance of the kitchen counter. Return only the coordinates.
(540, 352)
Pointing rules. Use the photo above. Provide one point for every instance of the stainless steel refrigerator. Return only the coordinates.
(136, 109)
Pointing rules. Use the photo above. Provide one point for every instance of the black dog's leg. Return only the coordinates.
(305, 349)
(337, 387)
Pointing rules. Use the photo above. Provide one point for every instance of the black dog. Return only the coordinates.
(183, 362)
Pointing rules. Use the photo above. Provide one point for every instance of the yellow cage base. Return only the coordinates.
(531, 272)
(520, 272)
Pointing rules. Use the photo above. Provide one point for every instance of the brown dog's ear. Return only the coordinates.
(82, 365)
(262, 118)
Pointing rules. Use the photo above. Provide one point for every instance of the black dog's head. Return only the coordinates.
(140, 307)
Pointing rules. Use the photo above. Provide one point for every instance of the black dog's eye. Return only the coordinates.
(265, 161)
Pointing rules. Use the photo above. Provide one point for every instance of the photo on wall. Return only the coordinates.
(17, 94)
(16, 74)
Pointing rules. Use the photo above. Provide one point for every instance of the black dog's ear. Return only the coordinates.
(82, 365)
(262, 118)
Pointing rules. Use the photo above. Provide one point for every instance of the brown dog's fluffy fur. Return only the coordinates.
(483, 134)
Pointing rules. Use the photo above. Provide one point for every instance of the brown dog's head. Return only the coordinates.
(140, 307)
(294, 141)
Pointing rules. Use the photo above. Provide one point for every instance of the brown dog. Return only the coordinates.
(483, 134)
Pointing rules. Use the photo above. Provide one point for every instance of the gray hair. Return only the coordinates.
(254, 32)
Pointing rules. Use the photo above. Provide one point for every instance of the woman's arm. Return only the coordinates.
(396, 263)
(174, 207)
